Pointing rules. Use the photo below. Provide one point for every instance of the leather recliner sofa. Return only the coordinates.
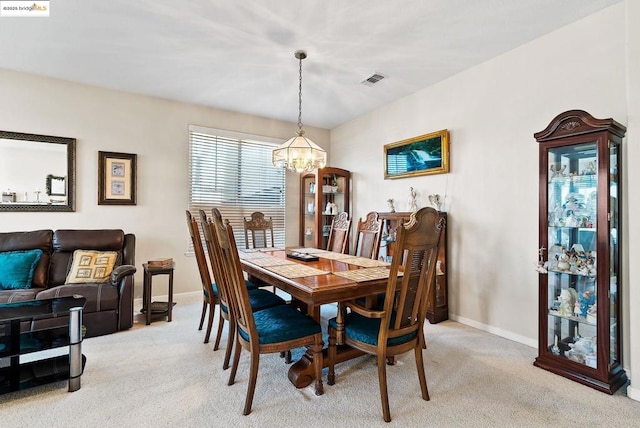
(109, 306)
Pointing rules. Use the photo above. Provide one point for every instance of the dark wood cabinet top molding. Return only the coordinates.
(578, 122)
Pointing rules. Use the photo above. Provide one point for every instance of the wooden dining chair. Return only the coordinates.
(259, 299)
(209, 298)
(398, 327)
(339, 233)
(369, 236)
(270, 330)
(258, 228)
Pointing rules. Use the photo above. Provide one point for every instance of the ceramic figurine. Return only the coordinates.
(541, 267)
(392, 207)
(559, 172)
(563, 261)
(435, 201)
(576, 309)
(586, 300)
(568, 298)
(411, 203)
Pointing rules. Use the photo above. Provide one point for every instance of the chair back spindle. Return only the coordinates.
(258, 227)
(339, 233)
(209, 299)
(369, 236)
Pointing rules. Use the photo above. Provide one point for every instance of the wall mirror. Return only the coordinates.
(37, 172)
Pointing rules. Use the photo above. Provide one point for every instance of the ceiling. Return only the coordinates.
(239, 55)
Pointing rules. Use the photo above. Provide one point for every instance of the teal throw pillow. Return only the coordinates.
(17, 267)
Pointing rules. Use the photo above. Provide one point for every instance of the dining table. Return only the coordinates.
(315, 277)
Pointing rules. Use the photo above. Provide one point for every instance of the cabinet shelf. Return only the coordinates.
(572, 273)
(579, 180)
(580, 320)
(586, 229)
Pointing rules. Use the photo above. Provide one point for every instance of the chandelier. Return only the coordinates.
(299, 153)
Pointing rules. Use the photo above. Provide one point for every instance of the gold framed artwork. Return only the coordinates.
(116, 178)
(423, 155)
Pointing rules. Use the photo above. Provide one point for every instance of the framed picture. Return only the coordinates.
(423, 155)
(56, 186)
(116, 178)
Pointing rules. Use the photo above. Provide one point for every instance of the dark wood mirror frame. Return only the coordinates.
(70, 144)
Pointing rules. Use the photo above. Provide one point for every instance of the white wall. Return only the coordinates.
(492, 111)
(632, 201)
(157, 131)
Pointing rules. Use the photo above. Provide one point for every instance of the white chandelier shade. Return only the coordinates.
(299, 154)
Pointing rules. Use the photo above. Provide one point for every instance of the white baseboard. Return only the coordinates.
(633, 393)
(497, 331)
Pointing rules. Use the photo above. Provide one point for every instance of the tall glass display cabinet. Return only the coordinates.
(579, 283)
(324, 193)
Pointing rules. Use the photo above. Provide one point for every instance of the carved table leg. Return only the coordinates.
(301, 373)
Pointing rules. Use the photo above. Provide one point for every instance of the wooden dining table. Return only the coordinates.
(313, 278)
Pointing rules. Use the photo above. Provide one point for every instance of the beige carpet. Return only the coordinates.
(162, 375)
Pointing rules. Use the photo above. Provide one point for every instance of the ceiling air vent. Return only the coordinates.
(373, 79)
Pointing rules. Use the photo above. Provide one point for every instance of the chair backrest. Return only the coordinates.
(214, 260)
(405, 304)
(369, 235)
(339, 234)
(224, 244)
(201, 259)
(258, 226)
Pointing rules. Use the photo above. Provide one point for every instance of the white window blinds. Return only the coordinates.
(233, 172)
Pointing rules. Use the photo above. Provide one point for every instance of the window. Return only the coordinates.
(233, 172)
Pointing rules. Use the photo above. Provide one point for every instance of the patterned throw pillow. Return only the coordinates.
(17, 267)
(91, 266)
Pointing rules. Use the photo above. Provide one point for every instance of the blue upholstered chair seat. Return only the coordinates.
(250, 286)
(366, 330)
(282, 323)
(261, 299)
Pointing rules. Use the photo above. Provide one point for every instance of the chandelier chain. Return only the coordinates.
(300, 99)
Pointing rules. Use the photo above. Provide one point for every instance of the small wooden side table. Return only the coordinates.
(155, 308)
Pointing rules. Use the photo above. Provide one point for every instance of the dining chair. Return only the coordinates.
(259, 299)
(369, 236)
(270, 330)
(258, 227)
(209, 298)
(339, 233)
(398, 327)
